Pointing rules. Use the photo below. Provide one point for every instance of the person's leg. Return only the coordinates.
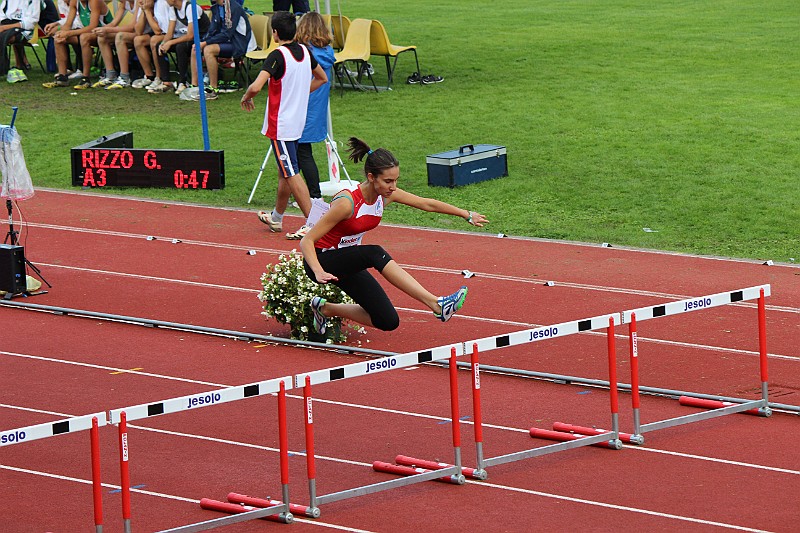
(182, 51)
(193, 67)
(210, 53)
(155, 41)
(122, 43)
(87, 41)
(104, 44)
(288, 169)
(141, 43)
(308, 167)
(372, 306)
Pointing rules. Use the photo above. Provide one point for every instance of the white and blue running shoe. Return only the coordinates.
(451, 304)
(320, 322)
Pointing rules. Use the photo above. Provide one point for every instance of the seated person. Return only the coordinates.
(156, 16)
(91, 13)
(106, 36)
(18, 21)
(229, 35)
(180, 37)
(49, 13)
(123, 43)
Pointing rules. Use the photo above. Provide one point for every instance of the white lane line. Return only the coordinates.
(717, 460)
(487, 275)
(109, 368)
(161, 495)
(619, 507)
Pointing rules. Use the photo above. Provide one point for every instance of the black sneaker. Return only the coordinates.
(414, 78)
(431, 79)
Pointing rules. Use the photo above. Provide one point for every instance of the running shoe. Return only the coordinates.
(266, 218)
(83, 84)
(141, 83)
(75, 75)
(103, 82)
(119, 83)
(16, 75)
(320, 322)
(180, 88)
(451, 304)
(414, 79)
(299, 234)
(211, 94)
(430, 79)
(59, 81)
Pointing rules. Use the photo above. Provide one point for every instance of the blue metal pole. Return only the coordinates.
(200, 85)
(14, 116)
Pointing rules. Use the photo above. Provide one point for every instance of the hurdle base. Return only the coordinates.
(295, 509)
(402, 470)
(702, 403)
(628, 438)
(473, 473)
(235, 508)
(612, 444)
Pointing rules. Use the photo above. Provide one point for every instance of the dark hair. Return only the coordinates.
(375, 161)
(285, 24)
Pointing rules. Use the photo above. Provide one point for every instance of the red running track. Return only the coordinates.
(730, 473)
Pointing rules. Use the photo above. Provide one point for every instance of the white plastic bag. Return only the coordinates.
(17, 183)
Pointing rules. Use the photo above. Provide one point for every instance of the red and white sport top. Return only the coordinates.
(349, 232)
(287, 102)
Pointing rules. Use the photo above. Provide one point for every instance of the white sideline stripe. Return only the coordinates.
(717, 460)
(487, 275)
(159, 495)
(478, 483)
(109, 368)
(618, 507)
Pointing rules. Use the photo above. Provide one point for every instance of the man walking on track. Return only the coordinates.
(333, 252)
(292, 73)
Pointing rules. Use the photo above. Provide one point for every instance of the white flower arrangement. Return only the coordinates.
(287, 298)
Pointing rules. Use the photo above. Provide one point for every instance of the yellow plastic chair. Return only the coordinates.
(380, 45)
(356, 49)
(262, 30)
(339, 25)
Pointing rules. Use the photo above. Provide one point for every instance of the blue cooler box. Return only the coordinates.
(468, 164)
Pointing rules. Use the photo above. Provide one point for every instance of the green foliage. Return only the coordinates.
(617, 115)
(287, 293)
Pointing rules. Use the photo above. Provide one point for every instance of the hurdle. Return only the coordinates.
(92, 423)
(362, 368)
(631, 317)
(274, 386)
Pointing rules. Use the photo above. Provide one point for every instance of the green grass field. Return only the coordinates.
(618, 115)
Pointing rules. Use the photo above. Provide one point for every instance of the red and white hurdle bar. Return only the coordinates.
(197, 401)
(569, 440)
(92, 423)
(631, 317)
(371, 367)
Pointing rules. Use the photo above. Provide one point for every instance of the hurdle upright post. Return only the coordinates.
(612, 381)
(286, 515)
(637, 437)
(124, 472)
(459, 477)
(97, 488)
(310, 465)
(762, 350)
(480, 471)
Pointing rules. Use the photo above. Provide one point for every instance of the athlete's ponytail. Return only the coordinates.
(375, 161)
